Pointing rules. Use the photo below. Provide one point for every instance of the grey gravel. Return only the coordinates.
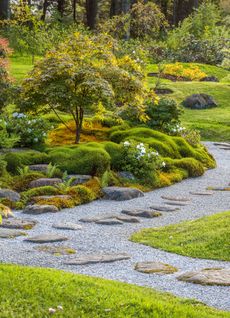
(107, 239)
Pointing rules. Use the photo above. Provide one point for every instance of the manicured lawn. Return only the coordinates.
(20, 66)
(29, 292)
(214, 124)
(207, 237)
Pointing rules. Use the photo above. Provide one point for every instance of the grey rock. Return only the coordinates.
(40, 209)
(55, 250)
(121, 194)
(109, 222)
(163, 208)
(98, 258)
(40, 167)
(172, 198)
(222, 144)
(19, 224)
(155, 267)
(96, 218)
(79, 178)
(67, 226)
(10, 195)
(9, 233)
(44, 182)
(141, 213)
(209, 79)
(207, 276)
(199, 101)
(201, 192)
(128, 219)
(176, 203)
(126, 175)
(46, 238)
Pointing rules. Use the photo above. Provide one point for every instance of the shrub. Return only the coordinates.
(192, 72)
(95, 186)
(19, 159)
(3, 165)
(81, 160)
(82, 193)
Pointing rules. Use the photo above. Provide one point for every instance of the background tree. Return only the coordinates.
(4, 9)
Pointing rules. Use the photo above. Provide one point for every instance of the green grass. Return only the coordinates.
(30, 292)
(207, 237)
(20, 66)
(214, 124)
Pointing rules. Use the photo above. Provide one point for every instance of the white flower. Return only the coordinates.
(15, 115)
(126, 144)
(52, 310)
(59, 307)
(163, 164)
(35, 139)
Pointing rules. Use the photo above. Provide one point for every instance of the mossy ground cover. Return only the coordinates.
(207, 237)
(214, 124)
(30, 292)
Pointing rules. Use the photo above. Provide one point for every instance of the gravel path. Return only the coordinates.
(95, 238)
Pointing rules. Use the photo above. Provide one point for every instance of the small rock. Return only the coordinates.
(171, 198)
(97, 218)
(40, 167)
(40, 209)
(126, 175)
(201, 192)
(128, 219)
(79, 178)
(209, 79)
(155, 267)
(164, 208)
(98, 258)
(207, 276)
(199, 101)
(121, 194)
(176, 203)
(55, 250)
(109, 222)
(67, 226)
(46, 238)
(19, 224)
(223, 144)
(10, 195)
(44, 182)
(141, 213)
(5, 233)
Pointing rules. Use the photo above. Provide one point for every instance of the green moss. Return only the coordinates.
(46, 190)
(193, 167)
(21, 183)
(82, 193)
(207, 237)
(60, 203)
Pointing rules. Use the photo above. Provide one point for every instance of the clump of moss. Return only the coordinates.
(95, 186)
(193, 167)
(46, 190)
(82, 193)
(21, 183)
(59, 202)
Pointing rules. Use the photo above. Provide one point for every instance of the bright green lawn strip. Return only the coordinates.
(29, 292)
(208, 237)
(20, 66)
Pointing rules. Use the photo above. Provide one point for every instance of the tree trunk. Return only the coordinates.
(196, 4)
(125, 6)
(44, 10)
(4, 9)
(79, 114)
(74, 10)
(61, 7)
(91, 13)
(115, 8)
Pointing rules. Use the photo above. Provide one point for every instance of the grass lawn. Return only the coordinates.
(30, 292)
(214, 124)
(207, 237)
(20, 66)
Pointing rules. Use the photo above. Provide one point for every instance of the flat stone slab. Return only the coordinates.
(224, 144)
(39, 167)
(121, 194)
(176, 203)
(40, 209)
(10, 195)
(155, 267)
(172, 198)
(41, 182)
(164, 208)
(9, 233)
(128, 219)
(109, 222)
(207, 276)
(67, 226)
(55, 250)
(219, 188)
(96, 218)
(19, 224)
(225, 148)
(201, 192)
(46, 238)
(98, 258)
(142, 213)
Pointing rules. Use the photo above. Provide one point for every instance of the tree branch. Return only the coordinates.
(56, 113)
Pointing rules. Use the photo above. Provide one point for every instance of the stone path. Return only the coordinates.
(96, 240)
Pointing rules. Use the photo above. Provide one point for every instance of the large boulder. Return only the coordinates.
(121, 194)
(199, 101)
(40, 209)
(44, 182)
(10, 195)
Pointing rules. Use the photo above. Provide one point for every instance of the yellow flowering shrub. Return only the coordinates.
(192, 72)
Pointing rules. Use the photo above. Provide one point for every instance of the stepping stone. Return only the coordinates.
(128, 219)
(141, 213)
(177, 203)
(98, 258)
(219, 188)
(164, 208)
(207, 276)
(121, 194)
(225, 148)
(201, 193)
(79, 178)
(44, 182)
(171, 198)
(10, 195)
(46, 238)
(55, 250)
(40, 209)
(19, 224)
(67, 226)
(97, 218)
(5, 233)
(155, 267)
(109, 222)
(40, 167)
(227, 144)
